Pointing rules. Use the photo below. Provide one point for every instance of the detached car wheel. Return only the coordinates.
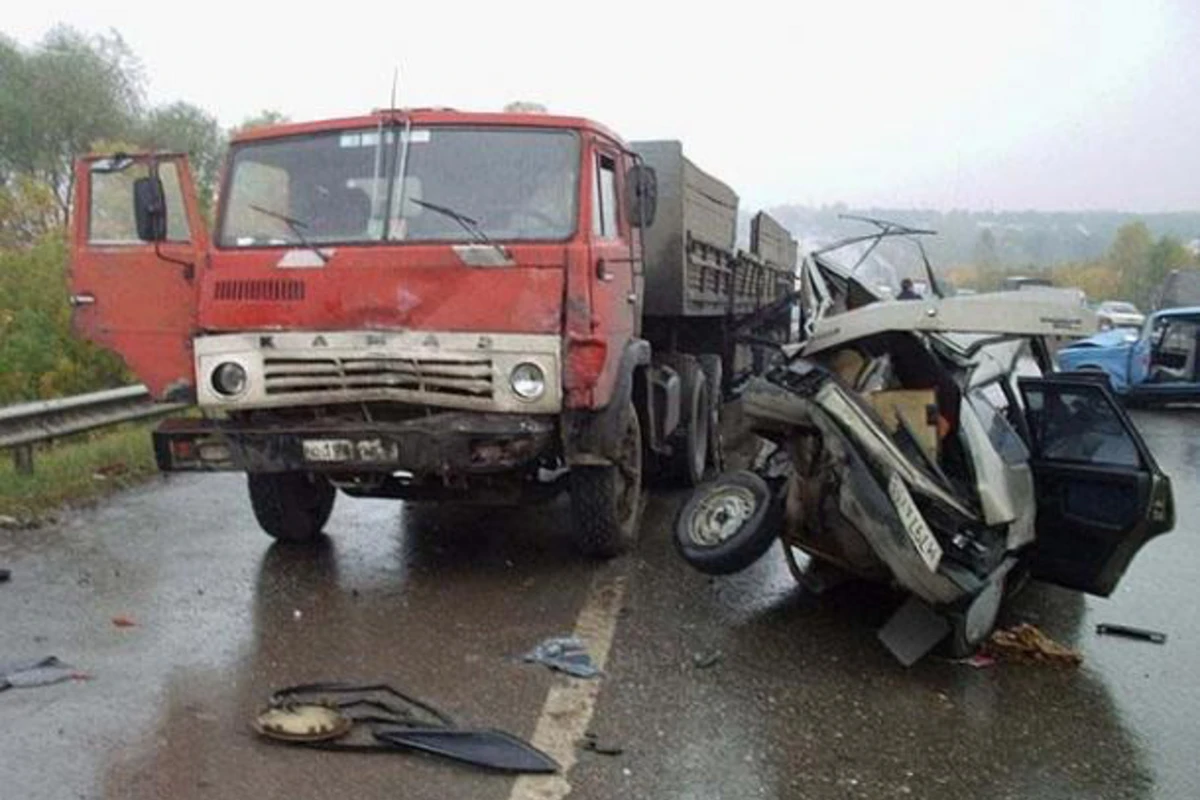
(291, 506)
(727, 524)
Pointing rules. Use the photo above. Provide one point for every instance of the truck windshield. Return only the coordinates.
(346, 187)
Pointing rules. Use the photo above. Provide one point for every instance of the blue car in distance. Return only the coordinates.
(1157, 364)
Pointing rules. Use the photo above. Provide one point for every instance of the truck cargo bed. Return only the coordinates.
(693, 266)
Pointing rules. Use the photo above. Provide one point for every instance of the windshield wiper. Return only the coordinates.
(297, 227)
(470, 225)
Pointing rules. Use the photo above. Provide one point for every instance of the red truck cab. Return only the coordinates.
(407, 303)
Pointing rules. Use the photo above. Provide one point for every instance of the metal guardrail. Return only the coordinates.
(26, 425)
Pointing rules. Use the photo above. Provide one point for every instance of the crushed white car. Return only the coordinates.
(930, 444)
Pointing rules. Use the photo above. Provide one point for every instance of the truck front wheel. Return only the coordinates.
(291, 506)
(606, 502)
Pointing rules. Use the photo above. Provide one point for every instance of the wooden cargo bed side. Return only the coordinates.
(690, 245)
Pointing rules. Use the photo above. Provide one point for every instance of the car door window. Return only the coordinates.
(1078, 423)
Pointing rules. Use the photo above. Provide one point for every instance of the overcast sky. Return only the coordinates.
(982, 105)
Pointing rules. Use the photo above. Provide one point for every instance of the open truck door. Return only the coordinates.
(1100, 495)
(133, 276)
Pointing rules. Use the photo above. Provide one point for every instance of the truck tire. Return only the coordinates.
(727, 525)
(714, 370)
(291, 506)
(689, 460)
(606, 501)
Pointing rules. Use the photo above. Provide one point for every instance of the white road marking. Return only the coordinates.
(569, 705)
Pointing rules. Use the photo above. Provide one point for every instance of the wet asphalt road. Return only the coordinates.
(802, 701)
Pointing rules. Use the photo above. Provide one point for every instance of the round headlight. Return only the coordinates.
(229, 379)
(528, 381)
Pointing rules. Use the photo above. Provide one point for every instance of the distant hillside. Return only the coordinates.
(1013, 239)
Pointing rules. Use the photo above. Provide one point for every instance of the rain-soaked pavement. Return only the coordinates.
(801, 702)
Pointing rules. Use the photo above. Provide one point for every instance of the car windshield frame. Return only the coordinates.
(392, 149)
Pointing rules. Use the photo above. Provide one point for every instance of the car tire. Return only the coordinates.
(291, 506)
(606, 501)
(727, 524)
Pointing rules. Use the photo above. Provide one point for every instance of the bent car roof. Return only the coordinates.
(1001, 313)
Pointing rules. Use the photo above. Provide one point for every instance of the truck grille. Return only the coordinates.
(275, 290)
(431, 376)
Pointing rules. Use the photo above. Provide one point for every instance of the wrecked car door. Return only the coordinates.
(1100, 495)
(130, 295)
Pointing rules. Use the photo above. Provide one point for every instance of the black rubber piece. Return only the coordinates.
(747, 544)
(490, 749)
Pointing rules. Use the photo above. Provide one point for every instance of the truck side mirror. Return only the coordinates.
(642, 185)
(150, 209)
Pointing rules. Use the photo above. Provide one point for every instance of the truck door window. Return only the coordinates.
(110, 215)
(604, 199)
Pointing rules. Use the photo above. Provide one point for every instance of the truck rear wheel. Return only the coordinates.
(291, 506)
(691, 450)
(606, 502)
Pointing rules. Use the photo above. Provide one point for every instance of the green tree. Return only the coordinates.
(1167, 254)
(265, 117)
(40, 356)
(58, 98)
(28, 211)
(183, 127)
(1129, 255)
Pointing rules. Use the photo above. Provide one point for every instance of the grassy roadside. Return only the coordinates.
(80, 468)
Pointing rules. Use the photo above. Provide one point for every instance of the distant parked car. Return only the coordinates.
(1118, 314)
(1154, 364)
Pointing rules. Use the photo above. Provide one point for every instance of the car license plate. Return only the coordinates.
(914, 524)
(327, 450)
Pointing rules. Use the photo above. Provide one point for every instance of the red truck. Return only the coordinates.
(432, 305)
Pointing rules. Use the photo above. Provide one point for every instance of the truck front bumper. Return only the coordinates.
(441, 444)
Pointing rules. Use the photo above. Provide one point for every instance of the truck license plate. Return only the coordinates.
(328, 450)
(914, 524)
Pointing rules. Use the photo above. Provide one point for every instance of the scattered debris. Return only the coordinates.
(303, 722)
(979, 660)
(566, 654)
(123, 622)
(336, 716)
(914, 630)
(39, 672)
(9, 522)
(706, 660)
(593, 744)
(1142, 634)
(1027, 642)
